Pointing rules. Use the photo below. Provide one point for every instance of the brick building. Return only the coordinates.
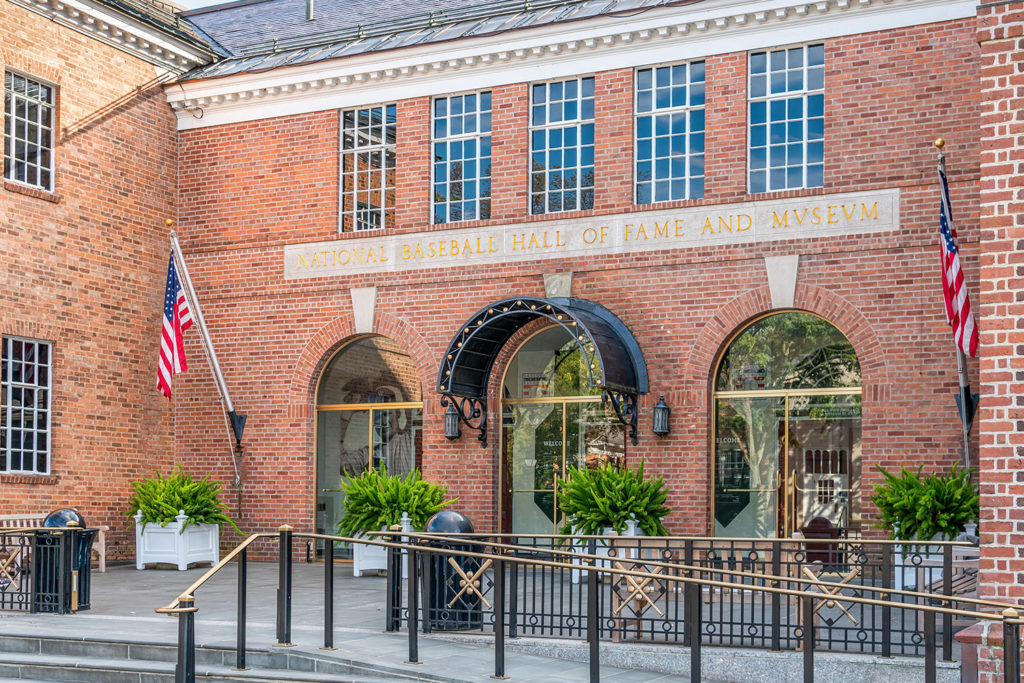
(89, 174)
(545, 221)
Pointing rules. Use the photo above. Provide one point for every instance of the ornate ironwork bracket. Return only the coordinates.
(472, 413)
(626, 409)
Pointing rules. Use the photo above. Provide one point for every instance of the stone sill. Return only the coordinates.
(30, 191)
(30, 479)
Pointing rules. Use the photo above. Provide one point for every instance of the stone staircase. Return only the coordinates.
(35, 658)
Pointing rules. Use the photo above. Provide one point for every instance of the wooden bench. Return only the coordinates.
(34, 520)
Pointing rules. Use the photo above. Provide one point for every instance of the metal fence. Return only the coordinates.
(45, 570)
(550, 601)
(480, 582)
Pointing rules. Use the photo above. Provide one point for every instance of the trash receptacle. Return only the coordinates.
(61, 575)
(452, 603)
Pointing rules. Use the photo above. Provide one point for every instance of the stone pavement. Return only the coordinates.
(123, 600)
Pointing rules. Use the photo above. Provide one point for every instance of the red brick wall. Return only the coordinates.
(883, 110)
(85, 267)
(1001, 448)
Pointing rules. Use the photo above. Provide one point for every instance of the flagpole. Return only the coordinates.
(966, 403)
(237, 421)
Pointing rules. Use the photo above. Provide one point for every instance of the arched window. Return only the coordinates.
(369, 413)
(787, 426)
(552, 419)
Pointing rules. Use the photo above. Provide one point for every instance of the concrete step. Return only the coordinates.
(75, 669)
(155, 662)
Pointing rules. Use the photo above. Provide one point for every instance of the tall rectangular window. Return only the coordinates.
(787, 119)
(368, 138)
(28, 131)
(562, 146)
(670, 133)
(25, 405)
(462, 157)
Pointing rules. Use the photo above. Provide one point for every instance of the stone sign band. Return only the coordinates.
(665, 229)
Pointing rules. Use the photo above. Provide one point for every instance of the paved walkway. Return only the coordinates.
(123, 600)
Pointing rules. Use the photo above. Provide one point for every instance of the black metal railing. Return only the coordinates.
(481, 582)
(45, 569)
(548, 601)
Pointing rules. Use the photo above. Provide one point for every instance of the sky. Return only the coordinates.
(193, 4)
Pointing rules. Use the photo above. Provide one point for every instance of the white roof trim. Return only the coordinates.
(554, 51)
(120, 31)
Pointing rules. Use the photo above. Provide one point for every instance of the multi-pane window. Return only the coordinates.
(562, 146)
(670, 133)
(28, 131)
(787, 118)
(368, 168)
(25, 406)
(462, 157)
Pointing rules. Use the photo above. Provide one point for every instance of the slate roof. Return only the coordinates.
(161, 16)
(264, 34)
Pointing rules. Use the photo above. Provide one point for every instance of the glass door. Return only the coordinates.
(541, 441)
(787, 429)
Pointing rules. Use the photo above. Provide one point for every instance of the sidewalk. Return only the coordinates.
(123, 600)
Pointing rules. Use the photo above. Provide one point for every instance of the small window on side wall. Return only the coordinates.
(28, 131)
(25, 383)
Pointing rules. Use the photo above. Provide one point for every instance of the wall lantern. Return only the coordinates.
(451, 422)
(661, 412)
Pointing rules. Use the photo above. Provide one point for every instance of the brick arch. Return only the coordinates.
(720, 328)
(338, 332)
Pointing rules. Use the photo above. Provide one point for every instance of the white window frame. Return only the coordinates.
(12, 105)
(6, 406)
(578, 122)
(805, 93)
(462, 137)
(361, 210)
(654, 113)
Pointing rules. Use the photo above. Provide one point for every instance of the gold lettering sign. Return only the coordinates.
(668, 229)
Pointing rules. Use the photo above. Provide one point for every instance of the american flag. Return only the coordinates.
(177, 319)
(954, 292)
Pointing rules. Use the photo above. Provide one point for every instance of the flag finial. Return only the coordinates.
(169, 222)
(940, 143)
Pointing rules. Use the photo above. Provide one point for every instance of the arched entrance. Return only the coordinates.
(552, 419)
(369, 413)
(787, 428)
(561, 394)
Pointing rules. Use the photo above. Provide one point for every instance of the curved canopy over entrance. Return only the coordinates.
(614, 362)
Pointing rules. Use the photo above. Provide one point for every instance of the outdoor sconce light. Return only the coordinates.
(661, 412)
(451, 422)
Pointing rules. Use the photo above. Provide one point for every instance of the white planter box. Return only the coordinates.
(604, 548)
(368, 557)
(374, 557)
(168, 544)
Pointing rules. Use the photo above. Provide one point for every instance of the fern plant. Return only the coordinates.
(594, 499)
(921, 508)
(375, 500)
(160, 498)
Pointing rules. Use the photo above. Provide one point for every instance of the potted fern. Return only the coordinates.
(913, 507)
(375, 500)
(177, 519)
(612, 501)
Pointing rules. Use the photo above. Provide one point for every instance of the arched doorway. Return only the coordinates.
(787, 428)
(369, 413)
(552, 419)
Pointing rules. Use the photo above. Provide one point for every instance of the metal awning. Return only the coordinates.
(616, 364)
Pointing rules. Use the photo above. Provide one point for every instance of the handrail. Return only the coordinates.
(172, 607)
(710, 570)
(499, 554)
(765, 539)
(190, 591)
(684, 579)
